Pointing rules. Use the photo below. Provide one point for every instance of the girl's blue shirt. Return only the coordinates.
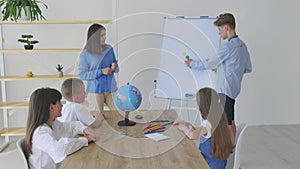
(205, 148)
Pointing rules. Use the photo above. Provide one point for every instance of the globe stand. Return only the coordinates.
(126, 121)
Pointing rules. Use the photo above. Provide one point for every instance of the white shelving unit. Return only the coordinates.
(4, 105)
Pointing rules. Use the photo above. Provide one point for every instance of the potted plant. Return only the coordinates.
(15, 9)
(26, 39)
(59, 69)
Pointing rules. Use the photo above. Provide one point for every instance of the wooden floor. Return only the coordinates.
(271, 147)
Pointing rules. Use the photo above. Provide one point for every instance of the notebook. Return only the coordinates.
(157, 136)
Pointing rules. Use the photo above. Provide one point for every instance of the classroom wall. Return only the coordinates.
(270, 29)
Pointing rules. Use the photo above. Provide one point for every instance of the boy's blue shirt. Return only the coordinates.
(232, 62)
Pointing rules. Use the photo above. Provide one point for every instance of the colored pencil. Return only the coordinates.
(156, 131)
(158, 128)
(160, 121)
(154, 127)
(150, 126)
(171, 122)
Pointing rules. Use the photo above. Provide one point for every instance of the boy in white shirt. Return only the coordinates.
(73, 90)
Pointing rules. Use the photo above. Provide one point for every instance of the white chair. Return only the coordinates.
(21, 148)
(233, 161)
(14, 158)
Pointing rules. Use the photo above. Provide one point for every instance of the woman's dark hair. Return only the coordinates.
(93, 44)
(38, 114)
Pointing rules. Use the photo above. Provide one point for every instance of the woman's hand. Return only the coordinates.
(107, 71)
(114, 66)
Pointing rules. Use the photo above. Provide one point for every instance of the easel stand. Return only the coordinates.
(126, 121)
(169, 104)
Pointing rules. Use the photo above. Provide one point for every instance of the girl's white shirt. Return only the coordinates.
(50, 146)
(207, 125)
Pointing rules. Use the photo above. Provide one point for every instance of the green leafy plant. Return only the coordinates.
(26, 39)
(12, 9)
(59, 67)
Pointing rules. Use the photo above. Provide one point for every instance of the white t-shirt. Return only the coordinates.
(51, 146)
(72, 111)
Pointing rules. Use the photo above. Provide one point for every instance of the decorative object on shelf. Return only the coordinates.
(29, 43)
(15, 9)
(59, 69)
(29, 74)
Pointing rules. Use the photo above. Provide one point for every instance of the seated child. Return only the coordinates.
(73, 90)
(219, 146)
(48, 141)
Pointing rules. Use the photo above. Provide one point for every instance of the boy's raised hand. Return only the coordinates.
(188, 62)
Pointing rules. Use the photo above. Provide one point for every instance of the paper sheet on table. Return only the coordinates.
(156, 136)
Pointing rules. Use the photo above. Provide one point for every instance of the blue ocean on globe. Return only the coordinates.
(128, 98)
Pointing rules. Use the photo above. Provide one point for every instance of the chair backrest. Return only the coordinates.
(14, 158)
(237, 152)
(231, 158)
(21, 148)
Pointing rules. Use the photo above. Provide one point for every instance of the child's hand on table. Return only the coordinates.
(90, 135)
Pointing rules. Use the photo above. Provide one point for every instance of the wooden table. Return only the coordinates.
(127, 147)
(271, 147)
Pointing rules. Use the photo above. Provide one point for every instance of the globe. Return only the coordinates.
(128, 98)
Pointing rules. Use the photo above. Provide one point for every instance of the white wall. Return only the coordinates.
(270, 29)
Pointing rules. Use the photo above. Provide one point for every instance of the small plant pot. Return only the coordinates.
(28, 47)
(60, 74)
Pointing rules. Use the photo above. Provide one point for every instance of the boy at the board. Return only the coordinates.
(231, 63)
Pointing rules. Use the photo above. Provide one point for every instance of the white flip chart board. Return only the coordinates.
(196, 37)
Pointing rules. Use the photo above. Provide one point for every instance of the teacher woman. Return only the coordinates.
(97, 66)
